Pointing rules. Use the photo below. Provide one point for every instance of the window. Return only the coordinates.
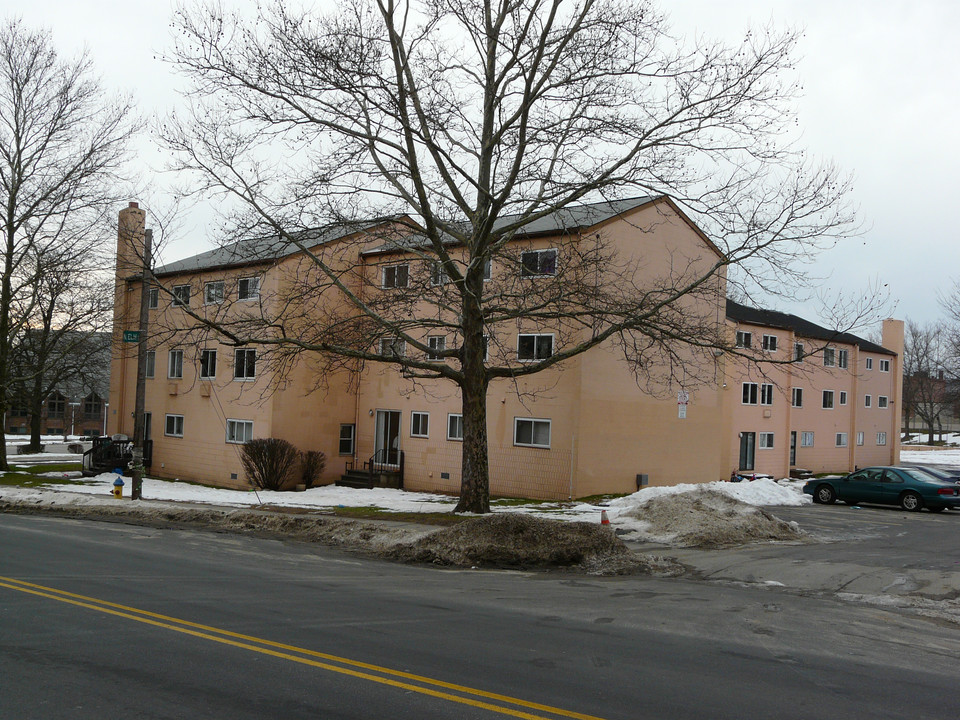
(881, 401)
(750, 393)
(393, 347)
(208, 363)
(181, 295)
(438, 274)
(454, 427)
(153, 298)
(150, 365)
(841, 439)
(395, 276)
(487, 266)
(828, 399)
(766, 394)
(437, 344)
(766, 441)
(806, 439)
(92, 407)
(843, 358)
(175, 364)
(538, 262)
(796, 397)
(884, 366)
(744, 339)
(869, 362)
(248, 288)
(213, 293)
(239, 431)
(531, 432)
(244, 364)
(860, 438)
(56, 406)
(867, 401)
(347, 432)
(798, 352)
(770, 343)
(843, 397)
(534, 347)
(881, 438)
(829, 357)
(174, 426)
(419, 424)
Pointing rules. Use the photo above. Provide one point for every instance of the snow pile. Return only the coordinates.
(930, 456)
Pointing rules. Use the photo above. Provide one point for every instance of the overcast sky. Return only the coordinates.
(881, 98)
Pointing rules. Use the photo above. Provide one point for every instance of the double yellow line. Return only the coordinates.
(502, 704)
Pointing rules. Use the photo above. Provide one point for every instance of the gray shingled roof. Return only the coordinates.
(801, 327)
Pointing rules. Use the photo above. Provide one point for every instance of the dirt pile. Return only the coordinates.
(709, 519)
(514, 540)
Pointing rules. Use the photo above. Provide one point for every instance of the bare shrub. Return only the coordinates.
(312, 463)
(270, 463)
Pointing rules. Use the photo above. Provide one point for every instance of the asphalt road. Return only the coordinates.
(102, 620)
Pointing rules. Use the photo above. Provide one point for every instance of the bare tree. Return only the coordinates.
(62, 144)
(471, 125)
(927, 386)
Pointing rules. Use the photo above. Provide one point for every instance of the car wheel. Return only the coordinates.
(936, 509)
(824, 494)
(911, 501)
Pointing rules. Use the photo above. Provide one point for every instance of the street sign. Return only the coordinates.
(683, 397)
(131, 336)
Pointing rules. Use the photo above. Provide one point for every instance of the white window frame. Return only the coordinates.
(798, 352)
(349, 437)
(153, 298)
(829, 357)
(744, 339)
(881, 438)
(884, 366)
(487, 269)
(860, 438)
(438, 274)
(205, 371)
(527, 272)
(392, 347)
(245, 434)
(807, 438)
(437, 344)
(252, 292)
(534, 422)
(166, 425)
(240, 368)
(455, 424)
(843, 397)
(175, 364)
(843, 359)
(537, 349)
(391, 275)
(823, 401)
(750, 395)
(213, 292)
(867, 401)
(769, 343)
(765, 441)
(882, 402)
(180, 296)
(419, 424)
(796, 397)
(150, 364)
(841, 440)
(766, 394)
(869, 363)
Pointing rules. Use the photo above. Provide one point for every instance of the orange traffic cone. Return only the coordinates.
(604, 520)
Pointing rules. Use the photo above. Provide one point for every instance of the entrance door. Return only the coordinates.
(388, 437)
(793, 448)
(748, 446)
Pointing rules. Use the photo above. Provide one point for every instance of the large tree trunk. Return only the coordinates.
(930, 428)
(36, 410)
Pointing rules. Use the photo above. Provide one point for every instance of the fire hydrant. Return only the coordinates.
(118, 487)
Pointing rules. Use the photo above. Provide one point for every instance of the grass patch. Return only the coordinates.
(54, 467)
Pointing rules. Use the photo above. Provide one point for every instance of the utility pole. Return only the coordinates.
(139, 439)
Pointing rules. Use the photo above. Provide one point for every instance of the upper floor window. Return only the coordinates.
(881, 401)
(766, 394)
(92, 406)
(843, 358)
(153, 298)
(181, 295)
(244, 364)
(843, 397)
(395, 276)
(798, 352)
(393, 347)
(750, 392)
(208, 363)
(437, 344)
(796, 397)
(869, 363)
(56, 405)
(829, 357)
(438, 274)
(248, 288)
(213, 293)
(539, 262)
(150, 366)
(744, 339)
(770, 343)
(175, 364)
(867, 401)
(828, 399)
(534, 347)
(884, 366)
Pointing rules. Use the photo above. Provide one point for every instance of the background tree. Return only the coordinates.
(62, 144)
(473, 122)
(928, 383)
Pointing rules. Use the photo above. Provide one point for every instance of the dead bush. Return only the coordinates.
(270, 463)
(312, 463)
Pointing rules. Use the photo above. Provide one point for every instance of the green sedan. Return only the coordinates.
(910, 488)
